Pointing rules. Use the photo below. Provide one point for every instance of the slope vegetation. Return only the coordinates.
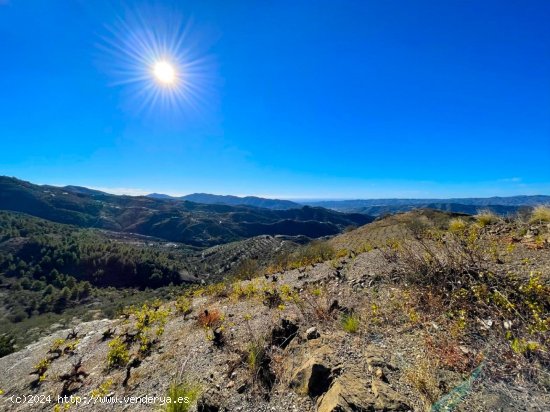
(451, 317)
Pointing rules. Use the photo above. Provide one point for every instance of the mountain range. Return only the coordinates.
(376, 207)
(211, 199)
(195, 224)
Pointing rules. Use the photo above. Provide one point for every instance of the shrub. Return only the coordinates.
(118, 353)
(147, 318)
(317, 252)
(242, 291)
(40, 369)
(486, 217)
(255, 354)
(7, 344)
(540, 214)
(185, 391)
(455, 268)
(209, 318)
(350, 323)
(423, 378)
(314, 252)
(417, 227)
(183, 305)
(102, 390)
(316, 304)
(247, 269)
(448, 262)
(258, 360)
(457, 225)
(342, 253)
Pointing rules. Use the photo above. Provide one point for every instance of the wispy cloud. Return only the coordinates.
(511, 180)
(123, 190)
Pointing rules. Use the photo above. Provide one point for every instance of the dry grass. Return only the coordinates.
(315, 305)
(540, 214)
(486, 217)
(457, 225)
(422, 377)
(209, 318)
(454, 283)
(449, 353)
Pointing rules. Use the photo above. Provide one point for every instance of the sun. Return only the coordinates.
(164, 72)
(159, 61)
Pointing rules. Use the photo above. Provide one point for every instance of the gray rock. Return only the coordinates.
(312, 333)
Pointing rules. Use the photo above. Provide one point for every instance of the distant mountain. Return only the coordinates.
(376, 207)
(83, 190)
(160, 196)
(210, 199)
(447, 207)
(170, 219)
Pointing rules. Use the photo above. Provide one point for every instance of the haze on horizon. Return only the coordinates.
(291, 100)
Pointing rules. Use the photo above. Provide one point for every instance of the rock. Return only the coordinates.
(348, 393)
(315, 375)
(335, 306)
(375, 359)
(388, 399)
(210, 401)
(465, 350)
(218, 338)
(312, 333)
(485, 324)
(243, 387)
(379, 373)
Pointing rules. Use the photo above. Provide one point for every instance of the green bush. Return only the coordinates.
(7, 344)
(118, 353)
(186, 392)
(350, 323)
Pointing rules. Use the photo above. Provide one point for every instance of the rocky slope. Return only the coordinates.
(351, 334)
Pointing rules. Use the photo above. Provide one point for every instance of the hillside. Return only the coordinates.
(175, 220)
(50, 272)
(439, 313)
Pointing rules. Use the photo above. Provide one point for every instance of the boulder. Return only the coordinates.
(312, 378)
(348, 393)
(387, 399)
(352, 393)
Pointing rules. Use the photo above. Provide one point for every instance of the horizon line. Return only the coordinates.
(136, 192)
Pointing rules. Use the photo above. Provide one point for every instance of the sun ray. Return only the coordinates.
(156, 61)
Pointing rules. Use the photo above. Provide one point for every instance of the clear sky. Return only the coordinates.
(297, 99)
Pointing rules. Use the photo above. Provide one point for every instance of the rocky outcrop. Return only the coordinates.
(352, 393)
(312, 378)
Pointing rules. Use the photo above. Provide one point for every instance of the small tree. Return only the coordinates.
(7, 344)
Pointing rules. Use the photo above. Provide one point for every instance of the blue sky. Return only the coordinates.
(297, 99)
